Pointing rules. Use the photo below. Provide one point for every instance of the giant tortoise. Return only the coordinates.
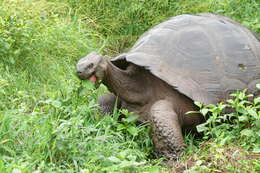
(187, 58)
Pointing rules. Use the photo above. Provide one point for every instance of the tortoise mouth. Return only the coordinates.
(93, 78)
(83, 76)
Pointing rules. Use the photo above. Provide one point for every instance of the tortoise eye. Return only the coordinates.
(91, 65)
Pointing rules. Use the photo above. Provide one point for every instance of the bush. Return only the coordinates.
(121, 22)
(48, 122)
(241, 124)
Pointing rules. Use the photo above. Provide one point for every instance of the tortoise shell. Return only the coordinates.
(205, 56)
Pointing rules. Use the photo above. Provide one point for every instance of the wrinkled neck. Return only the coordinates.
(126, 84)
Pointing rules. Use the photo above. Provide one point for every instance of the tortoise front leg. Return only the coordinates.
(167, 133)
(107, 103)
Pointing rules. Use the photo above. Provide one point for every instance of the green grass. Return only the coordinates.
(49, 120)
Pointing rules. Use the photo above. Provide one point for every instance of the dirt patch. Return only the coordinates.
(181, 167)
(218, 159)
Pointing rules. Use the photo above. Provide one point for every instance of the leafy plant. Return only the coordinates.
(49, 121)
(236, 119)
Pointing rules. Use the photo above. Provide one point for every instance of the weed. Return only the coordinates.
(241, 122)
(49, 121)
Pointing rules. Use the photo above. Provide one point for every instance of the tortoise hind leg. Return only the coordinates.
(167, 133)
(107, 103)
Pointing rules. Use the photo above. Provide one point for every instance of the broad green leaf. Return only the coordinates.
(230, 101)
(130, 119)
(243, 118)
(257, 100)
(202, 128)
(224, 141)
(132, 130)
(247, 132)
(256, 150)
(257, 123)
(204, 111)
(198, 104)
(253, 113)
(258, 86)
(211, 106)
(124, 112)
(241, 110)
(222, 106)
(241, 95)
(121, 127)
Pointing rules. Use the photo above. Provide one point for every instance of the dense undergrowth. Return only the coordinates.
(49, 120)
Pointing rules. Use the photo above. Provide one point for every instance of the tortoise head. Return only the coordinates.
(92, 67)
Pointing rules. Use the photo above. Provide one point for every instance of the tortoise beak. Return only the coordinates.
(81, 75)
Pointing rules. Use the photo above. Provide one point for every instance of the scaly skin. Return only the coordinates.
(147, 96)
(167, 132)
(107, 103)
